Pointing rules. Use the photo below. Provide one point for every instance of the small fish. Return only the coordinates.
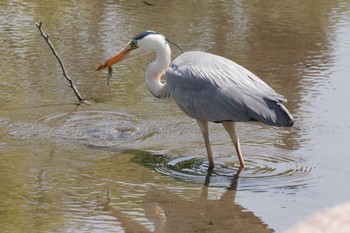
(110, 71)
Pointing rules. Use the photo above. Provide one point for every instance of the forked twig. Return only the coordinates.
(65, 74)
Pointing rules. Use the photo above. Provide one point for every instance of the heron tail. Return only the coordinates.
(274, 113)
(286, 118)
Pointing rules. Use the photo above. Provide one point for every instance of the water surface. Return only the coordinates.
(131, 162)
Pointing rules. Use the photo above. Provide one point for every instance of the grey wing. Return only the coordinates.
(212, 88)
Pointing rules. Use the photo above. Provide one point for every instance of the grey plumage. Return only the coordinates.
(212, 88)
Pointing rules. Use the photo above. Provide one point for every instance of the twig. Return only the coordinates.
(71, 83)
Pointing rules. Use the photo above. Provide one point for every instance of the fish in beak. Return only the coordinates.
(118, 57)
(121, 55)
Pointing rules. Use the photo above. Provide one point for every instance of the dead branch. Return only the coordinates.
(65, 74)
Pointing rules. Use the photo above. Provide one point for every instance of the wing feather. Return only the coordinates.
(213, 88)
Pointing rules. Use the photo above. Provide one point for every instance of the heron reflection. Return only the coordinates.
(169, 212)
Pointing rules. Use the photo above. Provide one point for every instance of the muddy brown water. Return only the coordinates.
(129, 162)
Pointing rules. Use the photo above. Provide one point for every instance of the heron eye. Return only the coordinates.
(133, 44)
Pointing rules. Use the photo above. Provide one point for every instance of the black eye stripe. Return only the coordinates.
(143, 34)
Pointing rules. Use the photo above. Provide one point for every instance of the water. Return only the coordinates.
(130, 161)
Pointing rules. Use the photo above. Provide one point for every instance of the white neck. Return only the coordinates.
(157, 68)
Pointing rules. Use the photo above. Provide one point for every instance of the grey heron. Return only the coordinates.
(207, 87)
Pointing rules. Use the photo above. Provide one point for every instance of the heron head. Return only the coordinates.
(139, 45)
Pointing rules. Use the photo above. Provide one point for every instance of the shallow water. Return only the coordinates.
(130, 162)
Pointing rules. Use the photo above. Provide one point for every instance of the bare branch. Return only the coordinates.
(65, 74)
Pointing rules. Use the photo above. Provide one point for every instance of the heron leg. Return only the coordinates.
(231, 130)
(203, 125)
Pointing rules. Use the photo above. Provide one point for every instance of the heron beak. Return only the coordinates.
(118, 57)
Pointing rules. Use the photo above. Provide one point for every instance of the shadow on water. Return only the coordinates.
(169, 212)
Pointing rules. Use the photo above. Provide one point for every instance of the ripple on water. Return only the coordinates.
(262, 172)
(94, 128)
